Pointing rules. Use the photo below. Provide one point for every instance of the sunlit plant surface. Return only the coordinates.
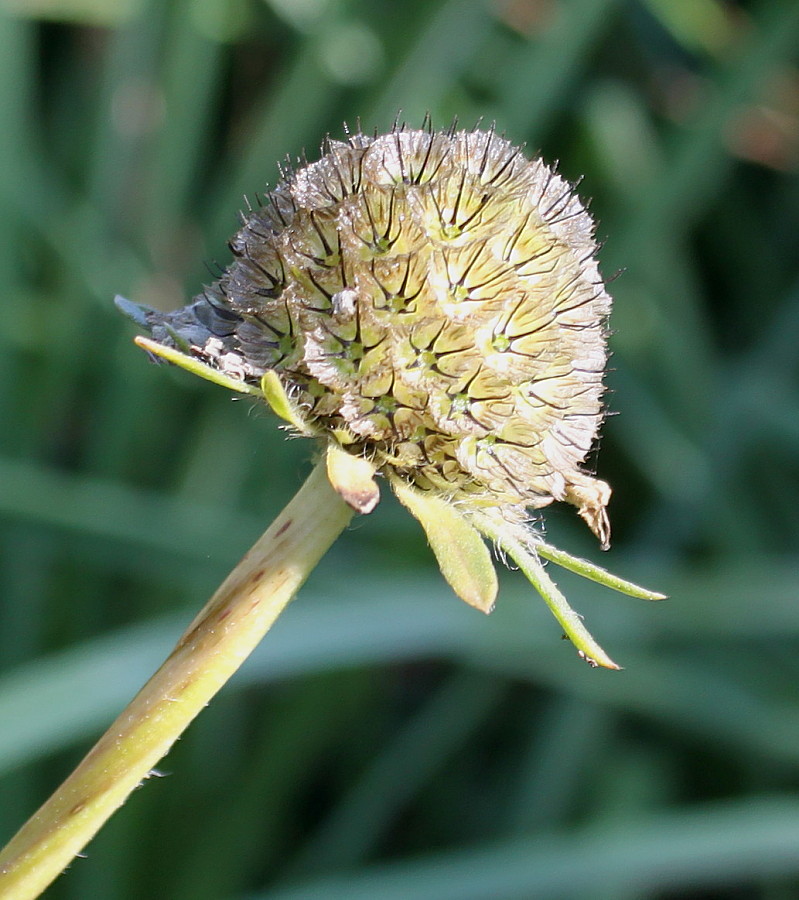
(382, 721)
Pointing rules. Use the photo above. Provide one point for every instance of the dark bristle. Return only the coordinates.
(486, 154)
(420, 174)
(400, 157)
(547, 182)
(565, 218)
(352, 136)
(497, 176)
(559, 203)
(214, 269)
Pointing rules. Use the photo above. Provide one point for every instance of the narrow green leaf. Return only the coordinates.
(170, 354)
(571, 621)
(594, 573)
(528, 562)
(462, 555)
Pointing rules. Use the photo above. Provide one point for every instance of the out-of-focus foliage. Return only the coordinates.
(387, 741)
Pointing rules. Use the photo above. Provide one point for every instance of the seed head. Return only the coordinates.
(431, 301)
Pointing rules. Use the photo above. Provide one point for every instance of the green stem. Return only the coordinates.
(212, 649)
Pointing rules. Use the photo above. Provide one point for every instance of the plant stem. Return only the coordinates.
(211, 650)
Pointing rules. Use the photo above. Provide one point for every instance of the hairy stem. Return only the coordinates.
(211, 650)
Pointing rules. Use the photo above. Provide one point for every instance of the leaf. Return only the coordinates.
(190, 364)
(594, 573)
(462, 555)
(282, 405)
(526, 559)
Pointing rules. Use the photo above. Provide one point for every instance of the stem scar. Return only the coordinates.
(283, 528)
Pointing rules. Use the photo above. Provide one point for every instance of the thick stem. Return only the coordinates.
(212, 649)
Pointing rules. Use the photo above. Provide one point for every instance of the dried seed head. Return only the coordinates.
(432, 302)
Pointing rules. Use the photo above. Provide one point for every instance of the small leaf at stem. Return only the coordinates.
(570, 621)
(190, 364)
(462, 555)
(281, 404)
(352, 478)
(594, 573)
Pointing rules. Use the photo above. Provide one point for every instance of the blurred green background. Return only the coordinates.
(386, 740)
